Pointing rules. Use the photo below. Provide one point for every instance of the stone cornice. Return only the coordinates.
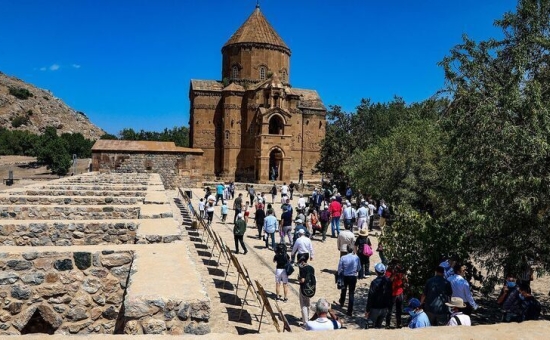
(258, 45)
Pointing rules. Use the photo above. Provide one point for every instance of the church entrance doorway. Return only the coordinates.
(275, 164)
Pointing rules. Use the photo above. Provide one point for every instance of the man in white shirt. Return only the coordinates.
(302, 246)
(345, 238)
(457, 317)
(320, 321)
(461, 289)
(349, 214)
(284, 192)
(302, 202)
(371, 208)
(362, 216)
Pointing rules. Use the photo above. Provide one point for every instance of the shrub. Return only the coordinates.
(20, 93)
(19, 120)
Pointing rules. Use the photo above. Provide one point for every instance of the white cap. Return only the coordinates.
(298, 221)
(240, 216)
(301, 231)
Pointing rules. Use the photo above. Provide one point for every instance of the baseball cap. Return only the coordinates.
(301, 231)
(240, 216)
(413, 304)
(298, 221)
(380, 268)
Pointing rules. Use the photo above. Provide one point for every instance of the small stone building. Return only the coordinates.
(177, 166)
(253, 121)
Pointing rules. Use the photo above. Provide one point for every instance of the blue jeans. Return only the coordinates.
(268, 235)
(335, 225)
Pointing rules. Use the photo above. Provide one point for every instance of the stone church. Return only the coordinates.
(253, 125)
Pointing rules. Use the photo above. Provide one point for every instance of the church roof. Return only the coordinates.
(256, 29)
(234, 88)
(309, 99)
(206, 85)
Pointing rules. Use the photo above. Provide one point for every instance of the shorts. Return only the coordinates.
(280, 276)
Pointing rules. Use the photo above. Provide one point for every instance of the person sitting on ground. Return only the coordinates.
(419, 319)
(320, 320)
(530, 307)
(457, 317)
(509, 300)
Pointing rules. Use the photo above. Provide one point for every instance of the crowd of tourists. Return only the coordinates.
(446, 298)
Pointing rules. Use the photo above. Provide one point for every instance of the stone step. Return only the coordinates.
(67, 200)
(87, 192)
(57, 212)
(155, 211)
(82, 187)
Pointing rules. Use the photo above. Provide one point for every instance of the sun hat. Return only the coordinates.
(380, 268)
(413, 304)
(456, 302)
(363, 232)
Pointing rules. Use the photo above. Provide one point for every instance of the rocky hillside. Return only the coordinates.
(26, 107)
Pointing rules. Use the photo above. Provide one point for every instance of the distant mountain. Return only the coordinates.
(25, 107)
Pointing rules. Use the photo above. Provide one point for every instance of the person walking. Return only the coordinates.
(270, 227)
(302, 247)
(224, 211)
(461, 289)
(437, 293)
(379, 297)
(238, 233)
(324, 218)
(237, 206)
(335, 210)
(349, 267)
(349, 214)
(259, 217)
(397, 276)
(345, 238)
(286, 225)
(273, 193)
(360, 243)
(306, 278)
(281, 259)
(219, 192)
(362, 216)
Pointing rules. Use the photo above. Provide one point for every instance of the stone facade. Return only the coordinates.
(253, 121)
(38, 212)
(67, 233)
(176, 166)
(73, 292)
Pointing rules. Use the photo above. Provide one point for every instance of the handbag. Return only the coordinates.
(289, 268)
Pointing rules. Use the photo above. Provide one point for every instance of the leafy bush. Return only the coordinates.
(20, 93)
(19, 120)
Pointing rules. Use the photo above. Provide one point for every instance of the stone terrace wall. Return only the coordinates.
(67, 233)
(26, 212)
(75, 292)
(60, 200)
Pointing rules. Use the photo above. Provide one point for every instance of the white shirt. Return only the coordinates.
(321, 324)
(201, 206)
(348, 213)
(301, 202)
(284, 190)
(464, 320)
(371, 209)
(461, 289)
(362, 212)
(303, 246)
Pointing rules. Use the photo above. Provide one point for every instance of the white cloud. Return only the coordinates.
(75, 66)
(54, 67)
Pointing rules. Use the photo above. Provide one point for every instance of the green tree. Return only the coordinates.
(78, 145)
(108, 136)
(499, 140)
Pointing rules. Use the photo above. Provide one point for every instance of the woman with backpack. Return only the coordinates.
(282, 259)
(324, 218)
(273, 193)
(364, 248)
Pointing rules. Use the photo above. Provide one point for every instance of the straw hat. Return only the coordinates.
(456, 302)
(363, 232)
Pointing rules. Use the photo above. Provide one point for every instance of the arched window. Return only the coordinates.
(276, 125)
(235, 72)
(284, 76)
(263, 72)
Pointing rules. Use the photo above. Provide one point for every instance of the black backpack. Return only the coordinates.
(309, 286)
(386, 212)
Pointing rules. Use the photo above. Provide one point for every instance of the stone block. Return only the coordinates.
(35, 278)
(116, 259)
(196, 328)
(91, 285)
(139, 307)
(110, 313)
(77, 314)
(82, 260)
(19, 265)
(153, 326)
(7, 278)
(20, 292)
(62, 265)
(132, 327)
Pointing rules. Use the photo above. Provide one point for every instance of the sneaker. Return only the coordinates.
(245, 252)
(285, 299)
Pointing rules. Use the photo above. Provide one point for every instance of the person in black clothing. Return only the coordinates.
(281, 279)
(530, 307)
(365, 260)
(259, 217)
(380, 298)
(437, 292)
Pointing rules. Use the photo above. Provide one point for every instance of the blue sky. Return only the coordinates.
(127, 63)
